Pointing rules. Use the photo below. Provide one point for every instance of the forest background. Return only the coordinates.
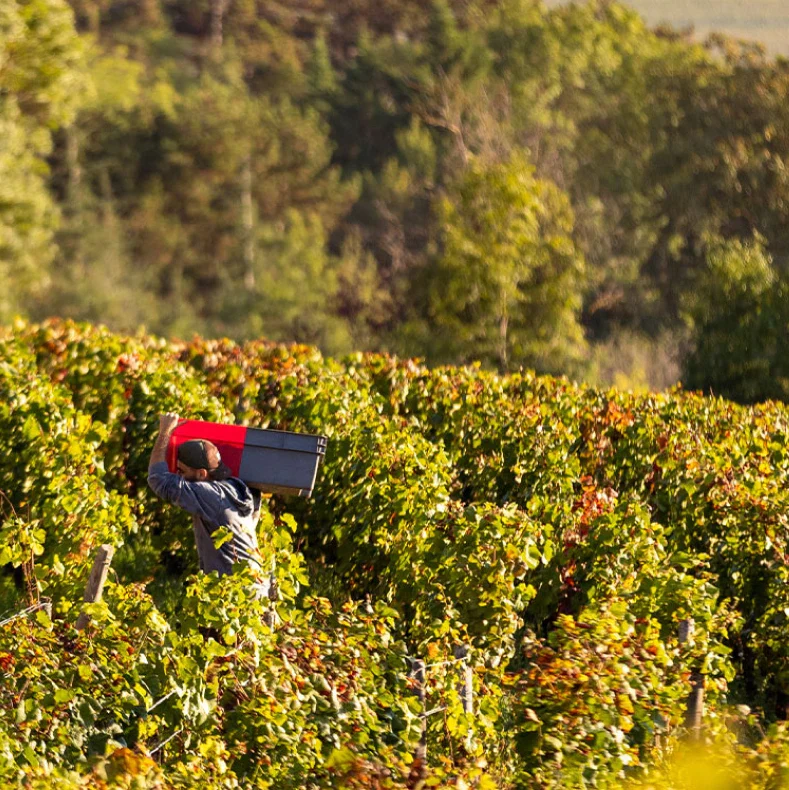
(558, 188)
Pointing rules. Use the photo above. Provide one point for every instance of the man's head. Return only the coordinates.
(199, 460)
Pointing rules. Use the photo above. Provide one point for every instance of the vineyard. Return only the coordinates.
(569, 566)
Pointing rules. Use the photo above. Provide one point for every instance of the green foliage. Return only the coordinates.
(739, 319)
(298, 286)
(163, 165)
(40, 76)
(507, 288)
(614, 685)
(28, 214)
(489, 182)
(560, 535)
(40, 57)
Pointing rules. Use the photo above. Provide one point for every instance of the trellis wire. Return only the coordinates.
(165, 741)
(438, 663)
(160, 701)
(25, 612)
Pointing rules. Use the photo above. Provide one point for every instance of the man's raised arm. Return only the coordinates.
(160, 480)
(167, 424)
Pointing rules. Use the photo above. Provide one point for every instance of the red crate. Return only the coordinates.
(280, 462)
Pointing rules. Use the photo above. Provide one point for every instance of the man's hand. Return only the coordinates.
(168, 422)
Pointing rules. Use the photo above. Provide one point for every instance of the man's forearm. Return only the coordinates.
(159, 452)
(167, 424)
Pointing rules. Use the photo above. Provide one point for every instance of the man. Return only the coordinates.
(204, 487)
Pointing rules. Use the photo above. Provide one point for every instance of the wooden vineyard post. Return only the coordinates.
(95, 585)
(466, 687)
(418, 673)
(272, 593)
(695, 705)
(695, 711)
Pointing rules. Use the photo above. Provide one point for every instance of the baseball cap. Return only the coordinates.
(202, 454)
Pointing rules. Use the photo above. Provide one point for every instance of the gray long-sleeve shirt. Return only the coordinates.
(215, 503)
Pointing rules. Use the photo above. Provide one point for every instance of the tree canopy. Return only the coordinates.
(161, 158)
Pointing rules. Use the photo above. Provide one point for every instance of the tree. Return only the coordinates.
(98, 280)
(583, 81)
(297, 286)
(740, 322)
(507, 286)
(394, 219)
(721, 166)
(39, 90)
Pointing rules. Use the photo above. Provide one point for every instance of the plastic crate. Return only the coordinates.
(281, 462)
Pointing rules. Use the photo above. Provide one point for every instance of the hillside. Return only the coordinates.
(597, 554)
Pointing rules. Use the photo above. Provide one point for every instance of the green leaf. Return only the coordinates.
(31, 429)
(64, 695)
(42, 618)
(221, 536)
(533, 557)
(31, 756)
(289, 521)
